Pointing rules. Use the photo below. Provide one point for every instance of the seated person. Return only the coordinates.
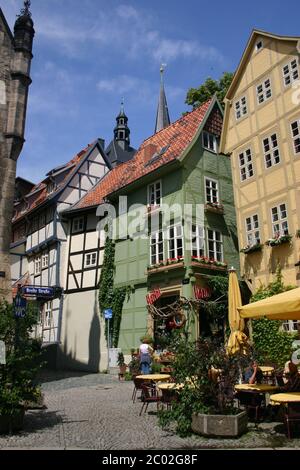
(253, 374)
(293, 382)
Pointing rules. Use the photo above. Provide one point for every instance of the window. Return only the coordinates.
(290, 326)
(37, 265)
(252, 230)
(51, 187)
(264, 91)
(175, 242)
(198, 241)
(154, 194)
(215, 245)
(240, 108)
(271, 151)
(246, 165)
(48, 315)
(295, 126)
(156, 248)
(211, 190)
(45, 260)
(290, 72)
(279, 220)
(91, 259)
(78, 225)
(259, 45)
(209, 141)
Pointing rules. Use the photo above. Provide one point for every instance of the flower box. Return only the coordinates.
(208, 262)
(252, 249)
(214, 207)
(279, 240)
(165, 266)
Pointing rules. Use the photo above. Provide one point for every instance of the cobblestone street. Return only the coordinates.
(96, 412)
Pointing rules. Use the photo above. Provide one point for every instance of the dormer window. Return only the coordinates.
(51, 187)
(209, 141)
(259, 46)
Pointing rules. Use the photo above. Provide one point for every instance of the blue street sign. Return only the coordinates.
(20, 307)
(108, 313)
(38, 291)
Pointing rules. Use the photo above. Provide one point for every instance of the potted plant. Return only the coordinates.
(121, 364)
(206, 404)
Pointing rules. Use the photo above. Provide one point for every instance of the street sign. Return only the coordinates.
(108, 314)
(38, 291)
(20, 307)
(2, 353)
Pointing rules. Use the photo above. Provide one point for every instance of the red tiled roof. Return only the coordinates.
(39, 191)
(23, 281)
(174, 138)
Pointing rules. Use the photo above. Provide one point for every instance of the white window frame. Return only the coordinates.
(198, 241)
(78, 224)
(90, 259)
(240, 108)
(155, 194)
(279, 220)
(290, 326)
(218, 255)
(48, 315)
(246, 167)
(290, 72)
(296, 135)
(212, 143)
(210, 190)
(178, 235)
(252, 230)
(45, 260)
(266, 91)
(159, 247)
(37, 265)
(273, 152)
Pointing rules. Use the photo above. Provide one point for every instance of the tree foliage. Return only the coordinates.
(197, 96)
(23, 352)
(270, 342)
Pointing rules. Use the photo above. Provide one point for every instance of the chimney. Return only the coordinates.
(149, 151)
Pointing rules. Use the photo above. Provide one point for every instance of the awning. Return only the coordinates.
(285, 306)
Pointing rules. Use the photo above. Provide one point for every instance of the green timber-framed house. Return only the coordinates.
(179, 173)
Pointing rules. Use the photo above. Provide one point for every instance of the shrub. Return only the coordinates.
(23, 353)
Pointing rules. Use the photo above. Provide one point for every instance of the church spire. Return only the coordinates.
(122, 131)
(26, 10)
(163, 117)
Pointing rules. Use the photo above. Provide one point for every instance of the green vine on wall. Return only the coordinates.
(110, 296)
(271, 343)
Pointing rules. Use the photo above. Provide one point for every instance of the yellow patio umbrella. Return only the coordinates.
(237, 340)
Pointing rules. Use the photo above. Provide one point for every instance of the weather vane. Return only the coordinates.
(26, 10)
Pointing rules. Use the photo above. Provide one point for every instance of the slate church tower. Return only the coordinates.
(15, 61)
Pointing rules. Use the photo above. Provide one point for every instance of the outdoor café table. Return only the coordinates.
(154, 377)
(285, 398)
(170, 386)
(256, 388)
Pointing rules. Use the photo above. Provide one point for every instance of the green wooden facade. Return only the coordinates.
(182, 182)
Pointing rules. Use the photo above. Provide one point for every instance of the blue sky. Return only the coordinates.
(88, 54)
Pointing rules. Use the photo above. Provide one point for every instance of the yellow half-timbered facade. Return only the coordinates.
(262, 135)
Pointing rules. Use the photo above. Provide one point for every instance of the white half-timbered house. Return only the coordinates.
(39, 245)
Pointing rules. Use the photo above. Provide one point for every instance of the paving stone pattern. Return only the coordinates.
(95, 411)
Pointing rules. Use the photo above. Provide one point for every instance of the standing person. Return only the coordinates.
(146, 352)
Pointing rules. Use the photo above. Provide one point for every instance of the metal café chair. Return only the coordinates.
(291, 416)
(149, 395)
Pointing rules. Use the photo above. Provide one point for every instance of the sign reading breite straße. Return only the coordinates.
(38, 291)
